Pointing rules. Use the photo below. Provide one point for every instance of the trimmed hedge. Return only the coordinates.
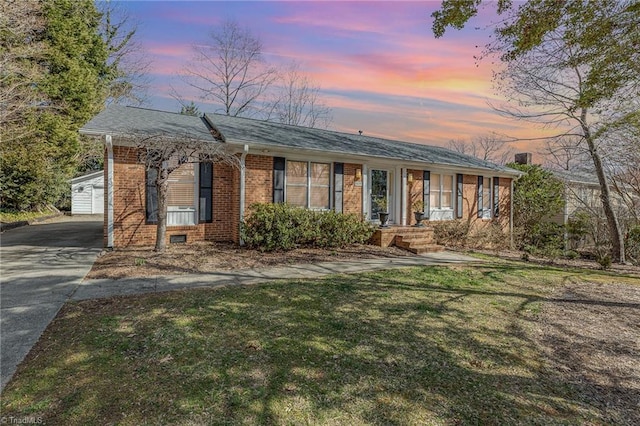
(271, 227)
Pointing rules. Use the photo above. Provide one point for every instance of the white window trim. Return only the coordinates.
(308, 184)
(442, 213)
(487, 212)
(195, 209)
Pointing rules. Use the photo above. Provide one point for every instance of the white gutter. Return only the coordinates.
(109, 145)
(243, 157)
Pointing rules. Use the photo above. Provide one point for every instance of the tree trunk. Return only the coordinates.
(162, 185)
(615, 233)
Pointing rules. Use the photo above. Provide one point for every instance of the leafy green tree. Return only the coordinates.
(570, 65)
(537, 197)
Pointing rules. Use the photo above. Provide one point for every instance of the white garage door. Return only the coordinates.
(97, 204)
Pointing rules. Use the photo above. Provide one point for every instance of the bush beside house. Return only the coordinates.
(270, 227)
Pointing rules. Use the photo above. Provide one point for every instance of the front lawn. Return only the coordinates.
(432, 345)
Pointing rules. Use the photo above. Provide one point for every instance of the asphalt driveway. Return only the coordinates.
(40, 268)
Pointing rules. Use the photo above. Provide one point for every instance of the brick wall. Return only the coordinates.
(130, 227)
(470, 202)
(258, 179)
(351, 193)
(226, 204)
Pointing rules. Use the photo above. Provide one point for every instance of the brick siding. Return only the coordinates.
(351, 193)
(131, 229)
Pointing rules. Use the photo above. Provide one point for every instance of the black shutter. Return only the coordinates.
(338, 181)
(496, 197)
(480, 201)
(151, 196)
(426, 191)
(206, 192)
(459, 195)
(278, 179)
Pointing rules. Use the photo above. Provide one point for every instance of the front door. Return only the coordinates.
(380, 195)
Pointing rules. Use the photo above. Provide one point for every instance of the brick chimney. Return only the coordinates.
(523, 158)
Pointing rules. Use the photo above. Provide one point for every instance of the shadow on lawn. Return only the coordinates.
(381, 348)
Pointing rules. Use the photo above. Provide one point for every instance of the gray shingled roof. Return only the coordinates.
(576, 176)
(119, 120)
(236, 129)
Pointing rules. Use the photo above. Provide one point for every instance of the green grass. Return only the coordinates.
(430, 345)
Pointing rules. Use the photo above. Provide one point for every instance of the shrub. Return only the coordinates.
(452, 233)
(572, 255)
(632, 244)
(545, 239)
(490, 236)
(272, 227)
(605, 262)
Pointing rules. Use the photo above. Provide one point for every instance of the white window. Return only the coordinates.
(486, 197)
(440, 197)
(181, 196)
(308, 184)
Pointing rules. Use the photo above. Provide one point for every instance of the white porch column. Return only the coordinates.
(403, 197)
(365, 193)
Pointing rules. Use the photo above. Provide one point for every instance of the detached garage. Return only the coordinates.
(87, 194)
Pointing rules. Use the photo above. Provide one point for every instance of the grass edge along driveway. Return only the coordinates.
(430, 345)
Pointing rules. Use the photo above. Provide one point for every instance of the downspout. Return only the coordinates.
(511, 242)
(243, 157)
(109, 145)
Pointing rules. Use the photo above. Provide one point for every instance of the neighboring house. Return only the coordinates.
(313, 168)
(581, 193)
(87, 194)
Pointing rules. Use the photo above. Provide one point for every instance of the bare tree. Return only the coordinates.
(548, 85)
(566, 153)
(487, 147)
(623, 166)
(127, 59)
(230, 70)
(297, 101)
(162, 154)
(21, 53)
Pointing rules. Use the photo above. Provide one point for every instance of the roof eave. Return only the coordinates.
(361, 157)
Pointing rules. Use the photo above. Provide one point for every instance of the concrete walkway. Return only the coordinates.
(40, 267)
(101, 288)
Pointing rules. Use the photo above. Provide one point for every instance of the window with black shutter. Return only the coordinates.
(206, 193)
(151, 196)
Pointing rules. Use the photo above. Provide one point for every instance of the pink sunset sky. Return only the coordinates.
(378, 64)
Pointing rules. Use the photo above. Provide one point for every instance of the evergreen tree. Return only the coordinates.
(36, 165)
(191, 109)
